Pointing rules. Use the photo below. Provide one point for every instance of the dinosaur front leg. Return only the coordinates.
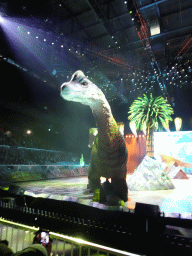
(93, 177)
(95, 182)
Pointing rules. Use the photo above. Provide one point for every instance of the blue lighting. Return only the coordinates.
(178, 145)
(1, 19)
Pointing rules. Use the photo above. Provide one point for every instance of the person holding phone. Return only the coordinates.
(42, 237)
(41, 245)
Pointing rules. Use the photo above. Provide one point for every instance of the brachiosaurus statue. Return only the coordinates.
(109, 152)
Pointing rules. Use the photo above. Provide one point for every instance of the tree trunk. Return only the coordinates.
(150, 142)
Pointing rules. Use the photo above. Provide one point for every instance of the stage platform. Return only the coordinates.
(174, 202)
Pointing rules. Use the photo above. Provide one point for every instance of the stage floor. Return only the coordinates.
(173, 202)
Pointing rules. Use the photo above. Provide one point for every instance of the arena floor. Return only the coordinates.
(173, 202)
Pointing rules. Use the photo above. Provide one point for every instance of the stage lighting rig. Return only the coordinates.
(132, 9)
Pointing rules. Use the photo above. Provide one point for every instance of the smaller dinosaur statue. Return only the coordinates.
(109, 152)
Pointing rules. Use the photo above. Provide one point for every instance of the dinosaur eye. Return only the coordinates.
(84, 84)
(74, 78)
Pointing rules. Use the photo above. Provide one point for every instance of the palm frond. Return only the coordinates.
(150, 111)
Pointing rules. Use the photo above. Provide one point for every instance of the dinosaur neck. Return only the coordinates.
(106, 124)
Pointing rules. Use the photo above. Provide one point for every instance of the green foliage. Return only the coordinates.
(24, 176)
(150, 111)
(82, 163)
(91, 130)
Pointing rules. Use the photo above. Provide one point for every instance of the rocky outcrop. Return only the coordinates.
(149, 175)
(176, 172)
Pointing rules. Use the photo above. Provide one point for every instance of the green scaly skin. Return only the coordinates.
(109, 152)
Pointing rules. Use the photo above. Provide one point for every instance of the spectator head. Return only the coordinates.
(4, 242)
(4, 249)
(35, 249)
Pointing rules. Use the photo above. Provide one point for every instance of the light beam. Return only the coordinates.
(1, 19)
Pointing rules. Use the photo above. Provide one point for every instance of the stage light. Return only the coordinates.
(154, 27)
(1, 19)
(132, 126)
(144, 128)
(178, 123)
(166, 125)
(28, 132)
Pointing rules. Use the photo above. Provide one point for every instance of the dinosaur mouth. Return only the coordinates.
(71, 96)
(65, 91)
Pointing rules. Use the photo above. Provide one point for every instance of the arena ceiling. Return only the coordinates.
(102, 34)
(112, 41)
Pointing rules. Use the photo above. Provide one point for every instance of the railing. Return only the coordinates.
(21, 236)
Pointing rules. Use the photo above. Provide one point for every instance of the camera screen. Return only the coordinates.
(44, 237)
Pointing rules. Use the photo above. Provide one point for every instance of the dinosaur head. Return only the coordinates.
(81, 89)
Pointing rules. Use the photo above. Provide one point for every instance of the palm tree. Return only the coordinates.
(150, 112)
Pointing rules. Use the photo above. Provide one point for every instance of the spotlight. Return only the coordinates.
(28, 132)
(1, 19)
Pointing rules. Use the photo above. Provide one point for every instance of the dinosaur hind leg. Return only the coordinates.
(120, 188)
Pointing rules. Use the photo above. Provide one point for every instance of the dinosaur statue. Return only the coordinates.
(109, 152)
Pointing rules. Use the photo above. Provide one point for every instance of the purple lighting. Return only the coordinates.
(1, 19)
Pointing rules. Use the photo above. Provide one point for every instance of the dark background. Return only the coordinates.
(100, 38)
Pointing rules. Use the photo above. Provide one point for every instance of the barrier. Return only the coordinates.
(21, 236)
(126, 231)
